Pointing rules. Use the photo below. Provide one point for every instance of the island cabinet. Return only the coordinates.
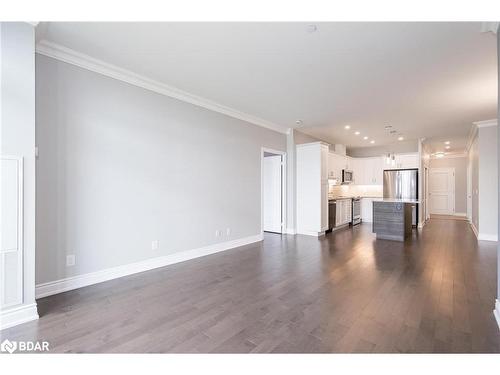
(312, 188)
(392, 219)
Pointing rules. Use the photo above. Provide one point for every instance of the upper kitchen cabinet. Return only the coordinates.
(312, 161)
(404, 161)
(356, 165)
(373, 169)
(336, 163)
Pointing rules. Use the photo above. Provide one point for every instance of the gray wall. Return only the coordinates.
(18, 128)
(400, 147)
(488, 187)
(120, 166)
(460, 165)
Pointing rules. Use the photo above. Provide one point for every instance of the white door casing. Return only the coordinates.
(272, 177)
(442, 191)
(11, 231)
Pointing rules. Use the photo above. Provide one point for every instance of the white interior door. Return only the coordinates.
(442, 191)
(272, 175)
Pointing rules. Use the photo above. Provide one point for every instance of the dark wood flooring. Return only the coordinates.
(346, 292)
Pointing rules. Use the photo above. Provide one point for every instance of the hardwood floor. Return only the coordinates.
(346, 292)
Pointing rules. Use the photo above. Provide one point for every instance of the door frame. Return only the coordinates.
(454, 187)
(283, 188)
(469, 189)
(426, 184)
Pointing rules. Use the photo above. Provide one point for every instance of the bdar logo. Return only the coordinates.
(8, 346)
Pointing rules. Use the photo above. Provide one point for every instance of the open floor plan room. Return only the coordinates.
(249, 187)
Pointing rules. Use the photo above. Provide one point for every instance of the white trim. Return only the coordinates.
(450, 155)
(489, 27)
(290, 231)
(460, 214)
(67, 55)
(487, 237)
(474, 229)
(18, 315)
(315, 143)
(314, 234)
(283, 187)
(496, 312)
(20, 236)
(75, 282)
(486, 123)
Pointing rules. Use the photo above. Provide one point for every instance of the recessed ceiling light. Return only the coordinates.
(401, 138)
(439, 154)
(298, 122)
(365, 137)
(356, 133)
(372, 141)
(447, 147)
(347, 127)
(447, 142)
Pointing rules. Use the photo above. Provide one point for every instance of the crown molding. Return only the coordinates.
(474, 129)
(489, 27)
(70, 56)
(486, 123)
(470, 139)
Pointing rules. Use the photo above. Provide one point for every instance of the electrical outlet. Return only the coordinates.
(70, 260)
(228, 231)
(155, 245)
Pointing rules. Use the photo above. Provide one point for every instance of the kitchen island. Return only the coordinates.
(392, 218)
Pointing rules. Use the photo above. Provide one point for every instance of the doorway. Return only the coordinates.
(442, 191)
(273, 184)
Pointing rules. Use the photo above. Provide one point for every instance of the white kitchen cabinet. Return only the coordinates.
(373, 170)
(343, 214)
(404, 161)
(336, 163)
(357, 167)
(367, 210)
(312, 188)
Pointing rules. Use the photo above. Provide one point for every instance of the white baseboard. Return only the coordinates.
(310, 233)
(496, 312)
(461, 214)
(421, 225)
(290, 231)
(17, 315)
(487, 237)
(474, 229)
(75, 282)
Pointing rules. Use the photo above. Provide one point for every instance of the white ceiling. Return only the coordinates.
(427, 80)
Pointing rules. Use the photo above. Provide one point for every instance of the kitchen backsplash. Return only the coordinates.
(355, 190)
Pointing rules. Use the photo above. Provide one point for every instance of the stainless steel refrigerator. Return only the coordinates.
(402, 184)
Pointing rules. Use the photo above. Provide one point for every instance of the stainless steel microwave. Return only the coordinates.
(347, 176)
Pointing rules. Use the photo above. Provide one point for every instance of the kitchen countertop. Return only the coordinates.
(396, 200)
(356, 196)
